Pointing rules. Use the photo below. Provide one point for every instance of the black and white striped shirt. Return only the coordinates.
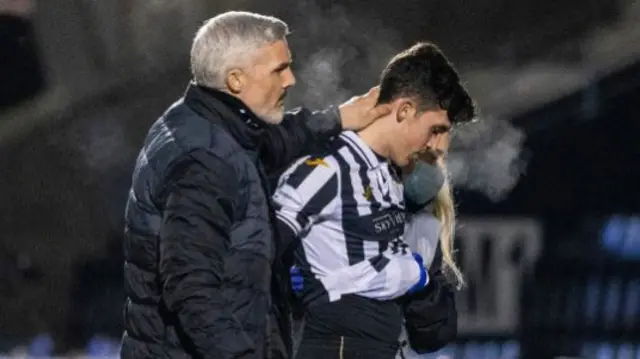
(346, 206)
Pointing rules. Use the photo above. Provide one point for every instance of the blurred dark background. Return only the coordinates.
(549, 231)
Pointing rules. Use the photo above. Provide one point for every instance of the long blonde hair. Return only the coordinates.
(444, 210)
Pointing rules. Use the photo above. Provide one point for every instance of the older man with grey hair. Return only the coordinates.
(203, 270)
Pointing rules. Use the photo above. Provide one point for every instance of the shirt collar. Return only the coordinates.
(364, 152)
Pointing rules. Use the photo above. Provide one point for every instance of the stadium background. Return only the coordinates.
(549, 233)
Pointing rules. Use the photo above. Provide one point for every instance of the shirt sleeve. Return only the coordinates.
(306, 194)
(383, 277)
(390, 275)
(194, 240)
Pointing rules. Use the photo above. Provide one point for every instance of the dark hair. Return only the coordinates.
(423, 73)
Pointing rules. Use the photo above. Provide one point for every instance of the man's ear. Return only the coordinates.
(235, 81)
(406, 110)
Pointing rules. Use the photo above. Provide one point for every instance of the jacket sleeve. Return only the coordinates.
(300, 133)
(430, 315)
(194, 240)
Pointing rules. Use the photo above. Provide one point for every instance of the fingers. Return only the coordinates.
(379, 111)
(373, 94)
(374, 91)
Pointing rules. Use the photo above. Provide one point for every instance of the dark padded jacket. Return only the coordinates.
(431, 318)
(201, 273)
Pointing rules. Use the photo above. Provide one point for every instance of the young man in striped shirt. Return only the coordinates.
(346, 208)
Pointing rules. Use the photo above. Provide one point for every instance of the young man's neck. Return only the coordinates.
(376, 139)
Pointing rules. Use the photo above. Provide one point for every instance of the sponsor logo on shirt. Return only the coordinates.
(389, 221)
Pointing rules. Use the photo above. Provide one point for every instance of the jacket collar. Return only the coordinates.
(223, 109)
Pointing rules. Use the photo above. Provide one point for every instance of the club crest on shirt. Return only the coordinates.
(313, 162)
(368, 193)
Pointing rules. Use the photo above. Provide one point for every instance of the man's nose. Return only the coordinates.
(289, 79)
(438, 144)
(435, 148)
(434, 142)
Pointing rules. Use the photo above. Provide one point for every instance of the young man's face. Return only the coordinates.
(423, 135)
(263, 85)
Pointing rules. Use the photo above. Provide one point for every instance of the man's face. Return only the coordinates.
(263, 85)
(425, 135)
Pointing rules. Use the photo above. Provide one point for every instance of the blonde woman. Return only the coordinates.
(430, 315)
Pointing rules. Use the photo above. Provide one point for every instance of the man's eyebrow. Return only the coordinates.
(283, 66)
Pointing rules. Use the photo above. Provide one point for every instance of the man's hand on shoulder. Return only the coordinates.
(360, 111)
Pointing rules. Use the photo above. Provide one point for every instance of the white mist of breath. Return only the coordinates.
(487, 157)
(336, 52)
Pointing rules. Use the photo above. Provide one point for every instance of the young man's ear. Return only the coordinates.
(406, 110)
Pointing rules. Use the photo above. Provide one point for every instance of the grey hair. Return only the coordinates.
(228, 40)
